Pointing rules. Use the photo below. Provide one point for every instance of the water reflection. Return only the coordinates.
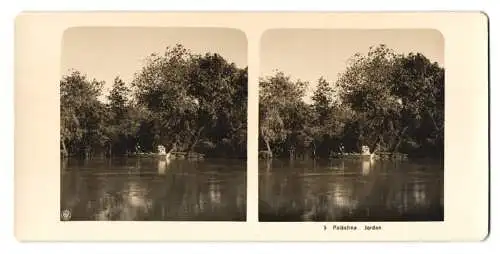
(151, 189)
(419, 194)
(366, 166)
(352, 190)
(162, 166)
(214, 190)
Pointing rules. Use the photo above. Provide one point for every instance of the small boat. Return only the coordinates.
(172, 155)
(147, 155)
(371, 156)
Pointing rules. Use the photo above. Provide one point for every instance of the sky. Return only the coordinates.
(308, 54)
(106, 52)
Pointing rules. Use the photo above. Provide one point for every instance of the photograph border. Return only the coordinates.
(384, 42)
(38, 38)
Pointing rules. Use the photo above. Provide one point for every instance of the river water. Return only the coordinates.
(350, 190)
(152, 189)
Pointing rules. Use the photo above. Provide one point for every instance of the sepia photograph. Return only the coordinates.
(153, 124)
(351, 125)
(251, 126)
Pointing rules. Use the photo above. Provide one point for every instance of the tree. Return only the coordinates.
(123, 122)
(420, 87)
(160, 87)
(118, 99)
(279, 96)
(329, 118)
(82, 115)
(390, 102)
(190, 101)
(392, 96)
(220, 89)
(323, 100)
(366, 89)
(193, 99)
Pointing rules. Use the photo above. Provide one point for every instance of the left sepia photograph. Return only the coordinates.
(153, 124)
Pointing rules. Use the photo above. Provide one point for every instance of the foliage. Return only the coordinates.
(82, 115)
(279, 104)
(198, 102)
(178, 99)
(390, 102)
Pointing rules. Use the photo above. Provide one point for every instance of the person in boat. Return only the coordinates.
(162, 150)
(341, 148)
(365, 150)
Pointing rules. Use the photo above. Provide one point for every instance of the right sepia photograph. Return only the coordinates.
(351, 125)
